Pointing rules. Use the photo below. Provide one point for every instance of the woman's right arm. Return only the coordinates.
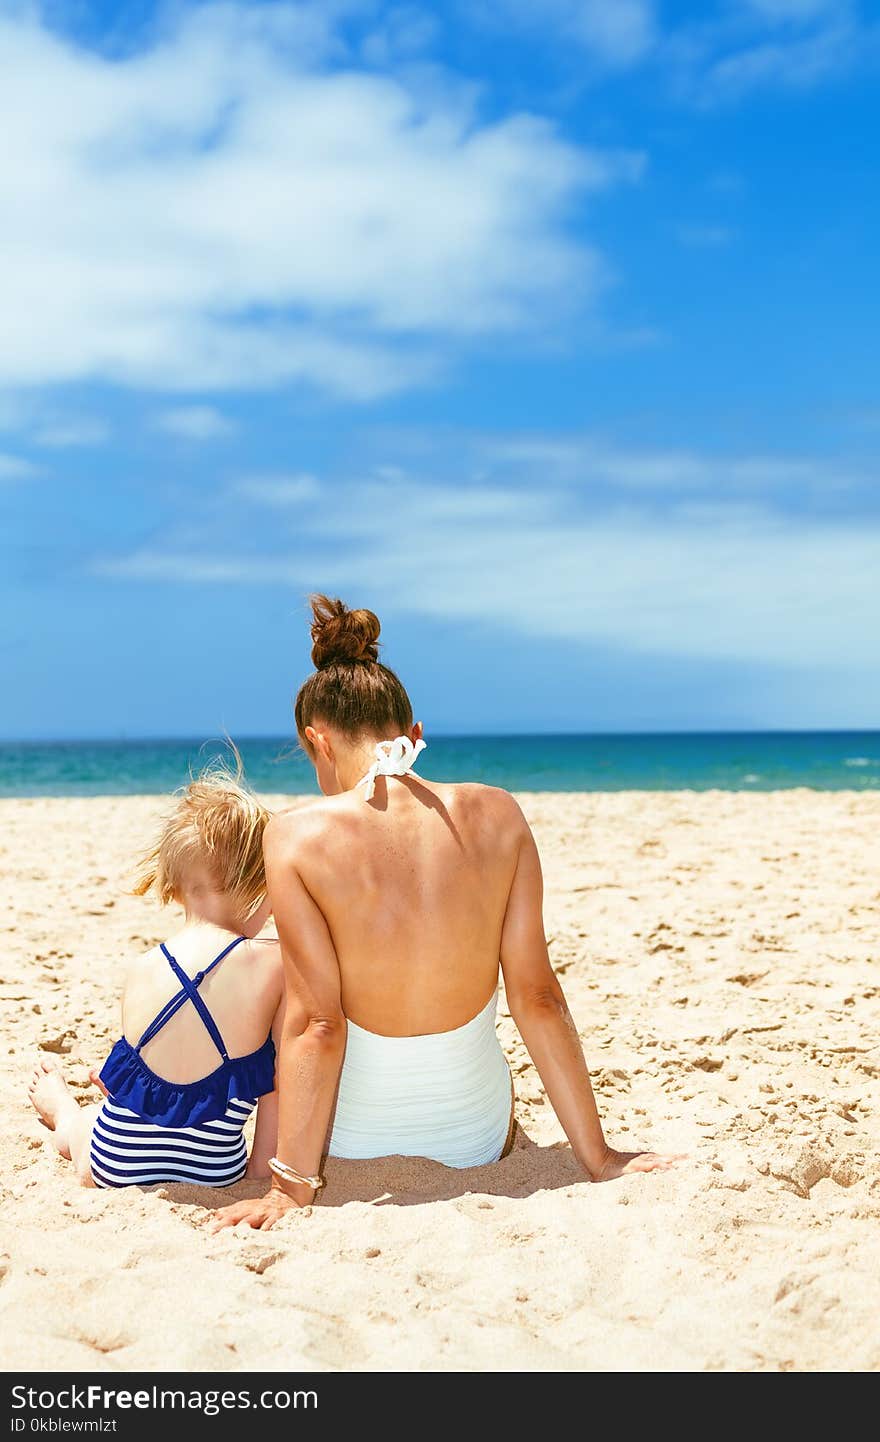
(313, 1032)
(538, 1007)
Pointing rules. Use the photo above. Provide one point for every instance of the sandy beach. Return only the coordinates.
(719, 953)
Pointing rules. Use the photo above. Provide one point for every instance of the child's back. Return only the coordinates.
(198, 1012)
(195, 1057)
(241, 994)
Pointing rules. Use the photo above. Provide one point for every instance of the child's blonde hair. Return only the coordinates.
(217, 823)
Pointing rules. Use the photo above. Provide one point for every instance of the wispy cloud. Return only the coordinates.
(30, 417)
(280, 490)
(84, 431)
(598, 467)
(195, 423)
(713, 53)
(226, 209)
(795, 63)
(703, 587)
(775, 44)
(15, 468)
(721, 574)
(399, 33)
(615, 34)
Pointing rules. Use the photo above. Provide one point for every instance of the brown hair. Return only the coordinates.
(218, 823)
(350, 689)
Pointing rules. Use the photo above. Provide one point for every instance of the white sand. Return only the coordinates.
(719, 954)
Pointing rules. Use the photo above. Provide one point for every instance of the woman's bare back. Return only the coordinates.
(413, 886)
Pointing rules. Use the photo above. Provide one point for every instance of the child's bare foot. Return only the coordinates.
(52, 1101)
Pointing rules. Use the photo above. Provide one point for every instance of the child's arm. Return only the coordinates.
(265, 1137)
(266, 1131)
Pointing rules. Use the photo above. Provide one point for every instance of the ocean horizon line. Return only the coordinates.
(207, 738)
(517, 761)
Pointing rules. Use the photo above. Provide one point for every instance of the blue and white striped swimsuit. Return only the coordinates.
(150, 1130)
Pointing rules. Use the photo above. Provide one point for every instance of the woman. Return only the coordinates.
(395, 900)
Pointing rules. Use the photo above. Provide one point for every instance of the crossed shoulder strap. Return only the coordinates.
(189, 992)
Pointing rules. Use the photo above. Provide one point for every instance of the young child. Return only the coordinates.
(199, 1014)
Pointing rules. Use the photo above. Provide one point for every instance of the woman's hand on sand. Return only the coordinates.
(260, 1213)
(624, 1164)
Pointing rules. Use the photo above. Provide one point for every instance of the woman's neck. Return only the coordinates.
(353, 764)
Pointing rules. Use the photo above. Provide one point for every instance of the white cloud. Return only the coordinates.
(735, 581)
(73, 432)
(15, 411)
(401, 32)
(620, 32)
(195, 423)
(614, 33)
(15, 468)
(279, 490)
(37, 422)
(795, 64)
(711, 53)
(588, 461)
(224, 209)
(776, 44)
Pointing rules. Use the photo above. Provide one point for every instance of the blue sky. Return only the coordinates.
(548, 331)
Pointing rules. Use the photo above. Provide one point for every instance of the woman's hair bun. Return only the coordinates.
(340, 635)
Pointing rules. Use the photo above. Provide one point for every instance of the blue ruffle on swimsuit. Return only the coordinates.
(152, 1130)
(132, 1084)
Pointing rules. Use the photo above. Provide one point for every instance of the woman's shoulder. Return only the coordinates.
(490, 801)
(490, 816)
(301, 826)
(285, 828)
(294, 836)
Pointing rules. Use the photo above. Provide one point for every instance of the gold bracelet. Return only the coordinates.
(290, 1174)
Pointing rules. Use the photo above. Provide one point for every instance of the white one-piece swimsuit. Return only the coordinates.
(446, 1095)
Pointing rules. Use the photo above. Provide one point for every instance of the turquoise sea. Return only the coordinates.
(735, 761)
